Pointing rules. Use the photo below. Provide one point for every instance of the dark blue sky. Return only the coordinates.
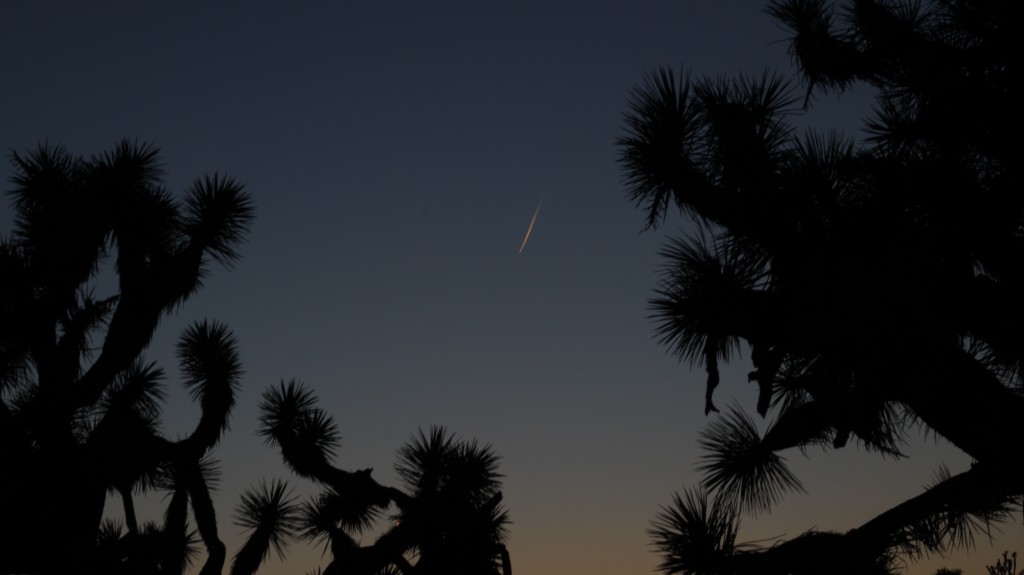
(396, 152)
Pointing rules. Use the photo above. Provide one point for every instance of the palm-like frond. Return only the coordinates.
(661, 150)
(696, 309)
(130, 161)
(740, 467)
(138, 390)
(318, 524)
(281, 406)
(307, 435)
(697, 297)
(139, 216)
(473, 472)
(219, 213)
(271, 516)
(954, 525)
(696, 534)
(59, 226)
(332, 510)
(826, 58)
(422, 462)
(208, 355)
(792, 382)
(43, 179)
(697, 145)
(879, 426)
(745, 131)
(439, 463)
(210, 362)
(143, 217)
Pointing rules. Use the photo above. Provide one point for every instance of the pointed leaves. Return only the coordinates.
(740, 466)
(695, 534)
(697, 309)
(826, 58)
(213, 370)
(270, 516)
(454, 513)
(331, 510)
(439, 463)
(305, 433)
(219, 213)
(661, 151)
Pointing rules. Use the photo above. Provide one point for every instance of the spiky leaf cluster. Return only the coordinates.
(449, 518)
(79, 404)
(876, 282)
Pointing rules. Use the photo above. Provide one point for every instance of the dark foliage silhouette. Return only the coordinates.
(272, 518)
(79, 404)
(877, 283)
(447, 519)
(1007, 565)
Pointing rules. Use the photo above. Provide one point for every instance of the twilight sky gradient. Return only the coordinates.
(396, 152)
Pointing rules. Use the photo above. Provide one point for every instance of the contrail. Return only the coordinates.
(533, 220)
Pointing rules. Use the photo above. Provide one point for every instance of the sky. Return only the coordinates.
(396, 153)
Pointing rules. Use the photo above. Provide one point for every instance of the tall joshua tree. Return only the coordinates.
(79, 404)
(877, 283)
(449, 518)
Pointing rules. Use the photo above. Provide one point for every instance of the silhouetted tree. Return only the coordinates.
(271, 517)
(878, 283)
(449, 518)
(1007, 565)
(79, 404)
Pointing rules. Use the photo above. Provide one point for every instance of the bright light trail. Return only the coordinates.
(533, 220)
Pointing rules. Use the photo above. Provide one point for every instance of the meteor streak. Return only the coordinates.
(533, 220)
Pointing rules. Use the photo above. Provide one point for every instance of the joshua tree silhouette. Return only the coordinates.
(878, 284)
(78, 420)
(448, 519)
